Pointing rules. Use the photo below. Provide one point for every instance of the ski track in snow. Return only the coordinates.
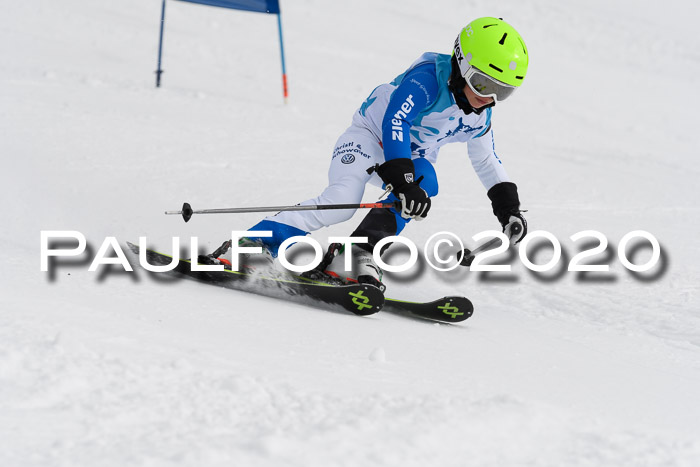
(92, 408)
(109, 369)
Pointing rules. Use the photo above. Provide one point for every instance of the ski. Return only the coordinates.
(453, 309)
(360, 299)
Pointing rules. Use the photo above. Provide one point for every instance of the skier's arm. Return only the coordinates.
(487, 165)
(501, 191)
(417, 91)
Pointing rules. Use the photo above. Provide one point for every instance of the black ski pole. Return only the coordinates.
(187, 210)
(469, 255)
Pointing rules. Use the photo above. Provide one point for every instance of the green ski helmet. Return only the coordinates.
(492, 57)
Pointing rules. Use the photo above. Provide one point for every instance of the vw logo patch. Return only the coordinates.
(347, 159)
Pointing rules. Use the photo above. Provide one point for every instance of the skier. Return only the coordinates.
(395, 137)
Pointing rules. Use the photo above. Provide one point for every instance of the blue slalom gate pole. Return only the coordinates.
(284, 70)
(159, 71)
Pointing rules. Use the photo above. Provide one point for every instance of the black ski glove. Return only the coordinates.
(399, 174)
(506, 207)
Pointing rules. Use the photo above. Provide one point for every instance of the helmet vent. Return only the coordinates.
(489, 25)
(519, 77)
(521, 43)
(495, 67)
(503, 39)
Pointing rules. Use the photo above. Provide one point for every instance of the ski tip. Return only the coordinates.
(449, 310)
(364, 300)
(455, 309)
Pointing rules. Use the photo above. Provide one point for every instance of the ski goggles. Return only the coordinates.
(485, 86)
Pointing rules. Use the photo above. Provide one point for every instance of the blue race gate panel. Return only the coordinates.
(261, 6)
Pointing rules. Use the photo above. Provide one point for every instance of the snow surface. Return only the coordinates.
(113, 369)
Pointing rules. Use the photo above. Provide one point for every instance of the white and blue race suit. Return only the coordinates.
(411, 117)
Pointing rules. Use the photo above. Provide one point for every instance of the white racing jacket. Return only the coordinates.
(416, 114)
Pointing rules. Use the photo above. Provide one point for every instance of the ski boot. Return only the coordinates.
(247, 262)
(216, 257)
(364, 271)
